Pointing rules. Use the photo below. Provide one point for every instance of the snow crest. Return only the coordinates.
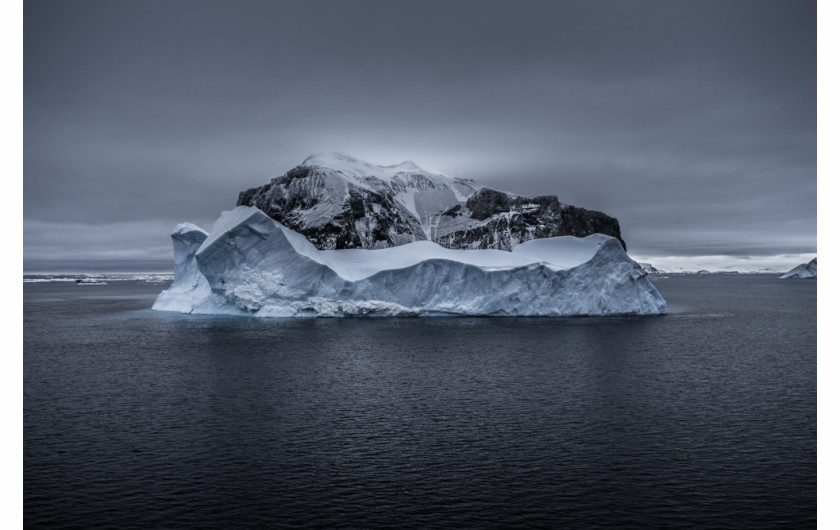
(251, 265)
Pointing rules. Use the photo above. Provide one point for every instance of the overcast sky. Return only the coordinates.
(692, 122)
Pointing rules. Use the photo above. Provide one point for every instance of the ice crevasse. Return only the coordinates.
(250, 264)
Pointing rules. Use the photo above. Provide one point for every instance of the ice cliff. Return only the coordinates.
(251, 264)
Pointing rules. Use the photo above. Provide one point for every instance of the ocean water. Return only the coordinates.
(701, 418)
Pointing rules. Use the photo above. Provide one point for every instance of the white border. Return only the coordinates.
(11, 58)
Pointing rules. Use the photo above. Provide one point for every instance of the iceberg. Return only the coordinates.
(250, 264)
(804, 271)
(650, 269)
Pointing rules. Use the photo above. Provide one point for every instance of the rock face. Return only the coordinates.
(251, 265)
(338, 202)
(804, 271)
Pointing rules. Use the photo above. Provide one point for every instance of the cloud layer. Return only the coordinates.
(693, 123)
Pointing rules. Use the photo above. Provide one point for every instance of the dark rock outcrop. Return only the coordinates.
(512, 220)
(358, 220)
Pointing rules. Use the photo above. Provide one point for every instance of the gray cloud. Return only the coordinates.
(694, 123)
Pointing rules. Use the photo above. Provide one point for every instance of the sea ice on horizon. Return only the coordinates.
(251, 265)
(97, 278)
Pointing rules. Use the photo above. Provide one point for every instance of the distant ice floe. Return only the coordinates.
(100, 279)
(251, 265)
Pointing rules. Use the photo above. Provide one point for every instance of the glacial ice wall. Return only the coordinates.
(250, 264)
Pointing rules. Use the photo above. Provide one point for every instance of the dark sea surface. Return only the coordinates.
(704, 417)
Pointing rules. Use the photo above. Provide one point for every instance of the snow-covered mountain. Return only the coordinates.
(339, 202)
(252, 265)
(806, 270)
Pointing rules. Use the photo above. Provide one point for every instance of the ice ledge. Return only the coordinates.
(250, 264)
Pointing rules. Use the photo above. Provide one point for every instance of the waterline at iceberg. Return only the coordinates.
(251, 265)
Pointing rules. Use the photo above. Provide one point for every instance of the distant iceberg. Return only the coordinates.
(806, 270)
(252, 265)
(650, 269)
